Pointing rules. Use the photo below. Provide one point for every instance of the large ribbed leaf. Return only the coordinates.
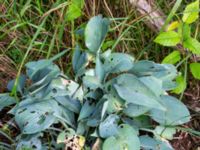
(118, 62)
(36, 116)
(95, 33)
(176, 112)
(148, 143)
(125, 139)
(133, 110)
(86, 110)
(132, 90)
(109, 126)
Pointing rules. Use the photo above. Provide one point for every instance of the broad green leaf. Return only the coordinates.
(172, 58)
(181, 85)
(195, 69)
(170, 38)
(74, 9)
(95, 33)
(109, 126)
(118, 62)
(126, 139)
(165, 132)
(176, 112)
(6, 100)
(192, 45)
(133, 110)
(132, 90)
(148, 143)
(191, 12)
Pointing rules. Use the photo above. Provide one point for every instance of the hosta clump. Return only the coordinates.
(111, 101)
(122, 95)
(49, 97)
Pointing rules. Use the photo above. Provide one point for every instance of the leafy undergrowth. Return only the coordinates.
(32, 30)
(113, 101)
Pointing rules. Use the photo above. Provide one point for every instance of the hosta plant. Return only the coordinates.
(113, 102)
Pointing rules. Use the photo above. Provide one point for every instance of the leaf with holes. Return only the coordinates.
(36, 116)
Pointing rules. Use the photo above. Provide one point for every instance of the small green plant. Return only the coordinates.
(111, 99)
(179, 33)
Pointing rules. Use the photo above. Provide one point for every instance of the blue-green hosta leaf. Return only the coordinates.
(95, 118)
(132, 90)
(191, 12)
(95, 33)
(125, 139)
(36, 116)
(79, 60)
(176, 112)
(169, 38)
(35, 66)
(67, 115)
(138, 122)
(6, 100)
(114, 103)
(118, 62)
(165, 72)
(91, 82)
(86, 110)
(133, 110)
(109, 126)
(20, 84)
(164, 132)
(99, 70)
(71, 104)
(154, 84)
(148, 143)
(30, 142)
(43, 77)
